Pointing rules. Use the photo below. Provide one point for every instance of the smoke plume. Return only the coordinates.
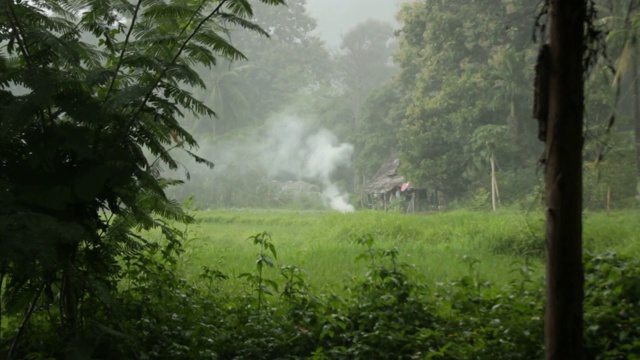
(288, 147)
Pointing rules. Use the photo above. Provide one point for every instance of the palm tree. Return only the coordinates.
(226, 93)
(623, 20)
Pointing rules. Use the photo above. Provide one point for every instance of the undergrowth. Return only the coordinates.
(324, 242)
(388, 310)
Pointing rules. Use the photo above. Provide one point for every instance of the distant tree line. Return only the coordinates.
(449, 93)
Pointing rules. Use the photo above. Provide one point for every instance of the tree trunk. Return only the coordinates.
(636, 108)
(563, 179)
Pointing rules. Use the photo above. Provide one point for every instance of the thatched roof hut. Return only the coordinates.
(385, 179)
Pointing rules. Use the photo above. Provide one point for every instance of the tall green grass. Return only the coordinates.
(325, 243)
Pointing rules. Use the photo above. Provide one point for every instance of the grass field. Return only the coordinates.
(325, 243)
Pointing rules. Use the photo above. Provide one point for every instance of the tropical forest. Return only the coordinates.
(319, 179)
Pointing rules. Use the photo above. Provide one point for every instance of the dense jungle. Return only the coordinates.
(319, 179)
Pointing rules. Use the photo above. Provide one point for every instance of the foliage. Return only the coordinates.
(388, 309)
(91, 92)
(355, 103)
(278, 74)
(376, 140)
(461, 73)
(261, 285)
(611, 312)
(364, 63)
(247, 93)
(322, 242)
(622, 20)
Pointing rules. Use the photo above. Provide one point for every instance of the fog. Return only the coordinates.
(336, 17)
(287, 148)
(343, 87)
(290, 113)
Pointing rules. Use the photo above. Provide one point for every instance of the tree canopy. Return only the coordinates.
(91, 97)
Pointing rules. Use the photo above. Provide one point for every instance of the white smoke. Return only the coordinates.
(289, 146)
(309, 153)
(336, 200)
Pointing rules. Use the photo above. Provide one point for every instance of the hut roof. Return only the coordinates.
(385, 179)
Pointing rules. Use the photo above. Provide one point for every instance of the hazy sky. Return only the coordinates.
(335, 17)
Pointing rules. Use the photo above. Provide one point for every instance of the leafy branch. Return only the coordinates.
(124, 48)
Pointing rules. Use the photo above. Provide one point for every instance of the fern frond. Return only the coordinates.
(200, 160)
(64, 50)
(155, 45)
(142, 61)
(185, 99)
(198, 54)
(11, 74)
(160, 205)
(167, 11)
(241, 8)
(242, 23)
(183, 73)
(219, 45)
(273, 2)
(91, 57)
(36, 17)
(60, 8)
(127, 96)
(147, 135)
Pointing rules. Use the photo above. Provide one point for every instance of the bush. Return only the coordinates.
(612, 306)
(389, 313)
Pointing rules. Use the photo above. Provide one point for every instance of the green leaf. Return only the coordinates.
(272, 248)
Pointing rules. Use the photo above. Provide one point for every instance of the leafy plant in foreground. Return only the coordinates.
(612, 299)
(91, 92)
(261, 285)
(387, 315)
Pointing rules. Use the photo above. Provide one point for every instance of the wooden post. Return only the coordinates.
(563, 180)
(494, 184)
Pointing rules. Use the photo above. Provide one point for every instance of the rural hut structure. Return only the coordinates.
(385, 185)
(388, 184)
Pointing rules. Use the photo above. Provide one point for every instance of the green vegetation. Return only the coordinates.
(369, 285)
(91, 98)
(103, 102)
(325, 243)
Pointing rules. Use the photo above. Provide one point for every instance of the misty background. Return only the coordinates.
(342, 88)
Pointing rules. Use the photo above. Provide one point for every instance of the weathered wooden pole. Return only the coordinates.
(495, 194)
(563, 180)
